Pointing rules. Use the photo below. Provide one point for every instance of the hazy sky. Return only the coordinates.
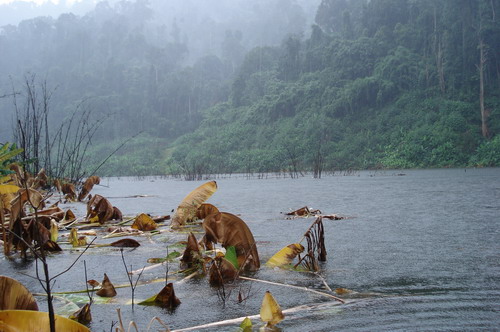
(69, 2)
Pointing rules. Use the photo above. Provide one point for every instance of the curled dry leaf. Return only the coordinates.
(270, 311)
(186, 210)
(303, 212)
(107, 288)
(93, 283)
(40, 180)
(25, 320)
(82, 315)
(117, 214)
(229, 230)
(165, 298)
(57, 184)
(191, 255)
(221, 271)
(286, 255)
(51, 246)
(143, 222)
(14, 296)
(68, 189)
(100, 209)
(87, 186)
(125, 243)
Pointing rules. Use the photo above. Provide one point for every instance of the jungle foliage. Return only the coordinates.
(375, 84)
(378, 84)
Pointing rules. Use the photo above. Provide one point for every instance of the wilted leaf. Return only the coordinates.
(144, 222)
(25, 320)
(40, 180)
(93, 283)
(170, 258)
(342, 291)
(75, 240)
(69, 216)
(191, 253)
(229, 230)
(51, 246)
(87, 186)
(117, 214)
(286, 255)
(107, 288)
(69, 190)
(270, 311)
(125, 243)
(13, 295)
(221, 271)
(165, 298)
(187, 208)
(82, 315)
(99, 207)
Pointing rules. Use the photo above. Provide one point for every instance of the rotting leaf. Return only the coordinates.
(186, 210)
(93, 283)
(100, 209)
(82, 315)
(51, 246)
(316, 250)
(87, 186)
(165, 298)
(14, 296)
(191, 254)
(107, 288)
(144, 222)
(285, 256)
(303, 212)
(170, 258)
(270, 311)
(125, 243)
(221, 271)
(229, 230)
(68, 189)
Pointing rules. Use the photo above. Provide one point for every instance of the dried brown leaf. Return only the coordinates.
(107, 288)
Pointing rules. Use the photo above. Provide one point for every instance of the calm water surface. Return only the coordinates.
(420, 251)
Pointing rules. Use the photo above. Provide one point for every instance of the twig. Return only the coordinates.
(292, 286)
(240, 319)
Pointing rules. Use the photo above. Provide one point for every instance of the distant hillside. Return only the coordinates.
(372, 84)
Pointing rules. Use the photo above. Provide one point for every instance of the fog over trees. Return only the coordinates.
(268, 85)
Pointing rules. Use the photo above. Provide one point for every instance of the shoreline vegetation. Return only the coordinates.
(369, 85)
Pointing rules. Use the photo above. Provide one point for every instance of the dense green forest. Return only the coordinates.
(371, 84)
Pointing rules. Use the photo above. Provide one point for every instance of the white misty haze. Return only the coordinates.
(15, 11)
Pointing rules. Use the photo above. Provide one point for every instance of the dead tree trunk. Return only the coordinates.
(484, 112)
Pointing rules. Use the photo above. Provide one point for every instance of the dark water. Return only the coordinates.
(420, 251)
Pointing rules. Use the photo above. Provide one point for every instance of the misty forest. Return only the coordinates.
(341, 159)
(217, 87)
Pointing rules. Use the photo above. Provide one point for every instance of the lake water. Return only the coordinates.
(419, 251)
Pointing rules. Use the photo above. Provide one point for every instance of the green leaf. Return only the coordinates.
(231, 256)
